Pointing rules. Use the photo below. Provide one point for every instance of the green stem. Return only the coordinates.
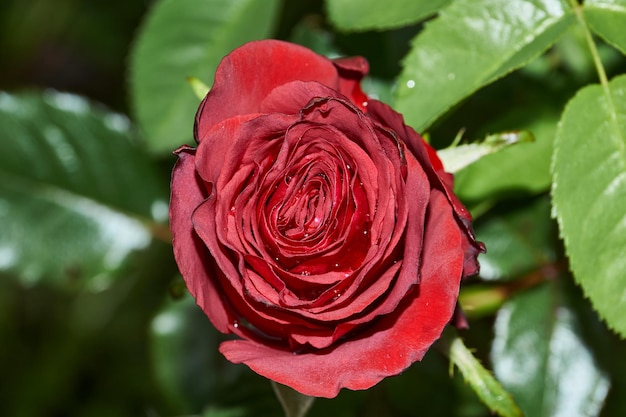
(604, 81)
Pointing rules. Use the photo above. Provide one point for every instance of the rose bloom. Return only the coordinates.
(313, 224)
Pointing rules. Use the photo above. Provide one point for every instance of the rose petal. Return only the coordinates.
(190, 253)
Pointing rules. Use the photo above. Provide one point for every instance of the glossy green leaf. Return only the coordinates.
(375, 14)
(488, 389)
(470, 44)
(589, 195)
(541, 356)
(77, 195)
(457, 157)
(607, 18)
(164, 57)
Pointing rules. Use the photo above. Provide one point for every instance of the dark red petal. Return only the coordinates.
(393, 343)
(191, 255)
(248, 74)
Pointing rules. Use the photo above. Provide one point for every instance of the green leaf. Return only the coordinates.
(77, 196)
(374, 14)
(205, 31)
(480, 379)
(457, 157)
(470, 44)
(607, 18)
(589, 195)
(541, 356)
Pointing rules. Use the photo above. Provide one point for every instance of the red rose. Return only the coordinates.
(311, 222)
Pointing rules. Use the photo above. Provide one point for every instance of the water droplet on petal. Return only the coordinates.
(236, 324)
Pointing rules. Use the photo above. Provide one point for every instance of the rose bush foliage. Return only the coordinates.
(312, 223)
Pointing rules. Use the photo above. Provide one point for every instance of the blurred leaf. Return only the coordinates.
(482, 300)
(607, 18)
(540, 355)
(589, 195)
(515, 169)
(572, 52)
(194, 375)
(185, 354)
(181, 39)
(470, 44)
(229, 412)
(519, 240)
(480, 379)
(375, 14)
(310, 34)
(77, 196)
(457, 157)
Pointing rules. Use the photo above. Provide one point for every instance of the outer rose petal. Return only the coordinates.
(191, 255)
(262, 66)
(394, 341)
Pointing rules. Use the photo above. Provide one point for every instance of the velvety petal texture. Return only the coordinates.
(314, 225)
